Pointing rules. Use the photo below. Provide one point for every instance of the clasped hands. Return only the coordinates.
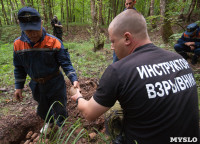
(191, 45)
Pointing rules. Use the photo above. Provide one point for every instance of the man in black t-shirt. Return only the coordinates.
(155, 87)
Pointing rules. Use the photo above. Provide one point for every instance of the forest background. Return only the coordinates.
(85, 33)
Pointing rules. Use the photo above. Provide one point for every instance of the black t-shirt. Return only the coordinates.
(157, 90)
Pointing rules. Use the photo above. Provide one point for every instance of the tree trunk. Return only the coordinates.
(192, 6)
(0, 26)
(38, 6)
(93, 12)
(9, 13)
(83, 16)
(198, 5)
(100, 12)
(182, 11)
(96, 32)
(117, 5)
(50, 9)
(108, 21)
(16, 3)
(13, 9)
(73, 12)
(67, 15)
(162, 7)
(61, 10)
(44, 11)
(153, 20)
(166, 29)
(4, 13)
(70, 11)
(114, 7)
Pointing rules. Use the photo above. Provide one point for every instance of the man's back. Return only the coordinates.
(157, 90)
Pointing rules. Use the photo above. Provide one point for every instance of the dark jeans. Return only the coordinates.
(46, 94)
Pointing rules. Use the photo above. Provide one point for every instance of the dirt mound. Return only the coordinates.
(14, 128)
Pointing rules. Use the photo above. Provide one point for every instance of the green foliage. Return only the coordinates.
(6, 66)
(173, 38)
(10, 33)
(58, 135)
(100, 39)
(197, 78)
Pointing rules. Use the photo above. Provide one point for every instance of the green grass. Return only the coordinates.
(10, 33)
(86, 62)
(6, 64)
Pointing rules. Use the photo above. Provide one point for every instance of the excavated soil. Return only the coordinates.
(14, 127)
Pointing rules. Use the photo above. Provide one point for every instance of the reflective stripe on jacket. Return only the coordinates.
(40, 59)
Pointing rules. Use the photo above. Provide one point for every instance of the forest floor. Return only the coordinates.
(20, 118)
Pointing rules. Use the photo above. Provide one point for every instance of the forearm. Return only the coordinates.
(91, 110)
(84, 109)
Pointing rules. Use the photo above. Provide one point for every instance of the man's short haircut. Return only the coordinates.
(130, 21)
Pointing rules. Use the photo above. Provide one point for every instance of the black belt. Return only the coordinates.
(45, 79)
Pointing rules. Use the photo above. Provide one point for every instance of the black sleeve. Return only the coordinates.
(108, 89)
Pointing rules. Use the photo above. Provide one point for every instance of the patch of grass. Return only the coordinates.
(197, 78)
(6, 64)
(86, 62)
(10, 33)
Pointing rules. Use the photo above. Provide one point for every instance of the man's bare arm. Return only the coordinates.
(91, 110)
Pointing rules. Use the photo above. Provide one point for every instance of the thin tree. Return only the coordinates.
(50, 9)
(9, 12)
(38, 6)
(153, 20)
(0, 26)
(13, 9)
(96, 32)
(44, 11)
(73, 12)
(198, 5)
(166, 29)
(192, 6)
(83, 6)
(67, 15)
(100, 12)
(62, 11)
(4, 13)
(70, 11)
(16, 3)
(182, 10)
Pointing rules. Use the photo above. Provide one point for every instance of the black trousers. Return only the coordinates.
(46, 95)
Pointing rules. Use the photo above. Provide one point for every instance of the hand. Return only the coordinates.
(78, 94)
(76, 85)
(18, 94)
(190, 43)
